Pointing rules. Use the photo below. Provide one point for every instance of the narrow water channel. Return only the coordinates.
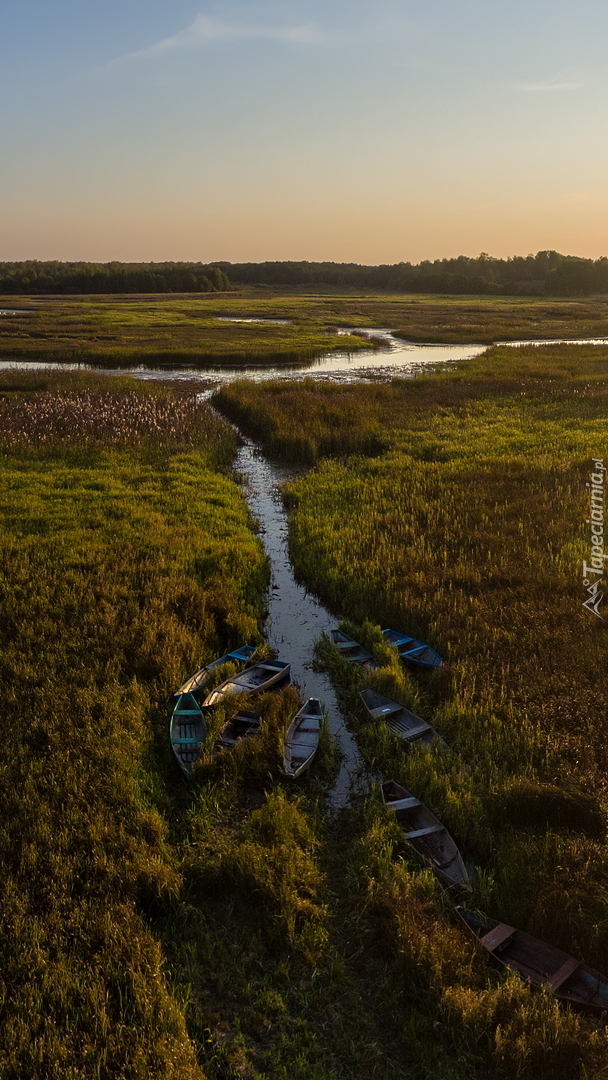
(295, 618)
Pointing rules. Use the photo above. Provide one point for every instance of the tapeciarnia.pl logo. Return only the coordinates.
(593, 572)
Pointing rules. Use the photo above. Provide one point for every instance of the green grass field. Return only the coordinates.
(228, 929)
(117, 331)
(453, 507)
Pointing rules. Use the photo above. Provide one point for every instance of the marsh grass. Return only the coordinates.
(104, 606)
(122, 330)
(468, 533)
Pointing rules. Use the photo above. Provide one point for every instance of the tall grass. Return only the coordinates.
(121, 567)
(469, 533)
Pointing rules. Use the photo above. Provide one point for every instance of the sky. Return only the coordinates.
(351, 131)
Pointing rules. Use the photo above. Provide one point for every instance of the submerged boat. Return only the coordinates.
(254, 680)
(240, 726)
(187, 730)
(399, 719)
(409, 648)
(426, 834)
(198, 680)
(302, 738)
(351, 650)
(539, 963)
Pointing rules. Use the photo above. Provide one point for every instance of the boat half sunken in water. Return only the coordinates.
(187, 730)
(302, 738)
(254, 680)
(426, 834)
(240, 726)
(399, 719)
(539, 963)
(200, 677)
(409, 648)
(351, 650)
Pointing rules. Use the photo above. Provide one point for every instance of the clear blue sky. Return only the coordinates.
(302, 130)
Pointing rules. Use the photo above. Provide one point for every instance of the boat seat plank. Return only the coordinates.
(403, 804)
(564, 972)
(411, 732)
(182, 741)
(498, 936)
(424, 832)
(186, 712)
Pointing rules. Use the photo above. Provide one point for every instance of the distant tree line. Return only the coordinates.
(546, 273)
(115, 277)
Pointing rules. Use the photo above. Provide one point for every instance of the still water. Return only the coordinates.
(295, 618)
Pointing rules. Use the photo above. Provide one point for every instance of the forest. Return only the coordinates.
(36, 277)
(547, 273)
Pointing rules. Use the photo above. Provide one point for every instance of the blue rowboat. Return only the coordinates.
(198, 680)
(409, 648)
(187, 731)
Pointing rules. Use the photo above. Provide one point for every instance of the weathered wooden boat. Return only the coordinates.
(426, 834)
(198, 680)
(399, 719)
(351, 650)
(240, 726)
(254, 680)
(409, 648)
(539, 963)
(187, 731)
(302, 738)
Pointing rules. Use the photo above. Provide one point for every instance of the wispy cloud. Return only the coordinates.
(550, 86)
(207, 29)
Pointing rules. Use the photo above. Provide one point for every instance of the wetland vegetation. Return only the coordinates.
(116, 332)
(465, 528)
(231, 928)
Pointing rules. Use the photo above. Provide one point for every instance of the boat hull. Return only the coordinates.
(240, 726)
(200, 677)
(254, 680)
(426, 834)
(413, 650)
(187, 731)
(351, 650)
(302, 738)
(539, 963)
(400, 720)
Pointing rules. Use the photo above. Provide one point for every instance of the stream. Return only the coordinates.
(295, 618)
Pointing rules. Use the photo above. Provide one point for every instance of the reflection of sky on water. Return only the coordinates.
(398, 358)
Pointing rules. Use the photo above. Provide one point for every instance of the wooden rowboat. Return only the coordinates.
(198, 680)
(539, 963)
(351, 650)
(399, 719)
(426, 834)
(302, 737)
(187, 730)
(411, 649)
(240, 726)
(254, 680)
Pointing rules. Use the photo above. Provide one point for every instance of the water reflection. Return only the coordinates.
(295, 618)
